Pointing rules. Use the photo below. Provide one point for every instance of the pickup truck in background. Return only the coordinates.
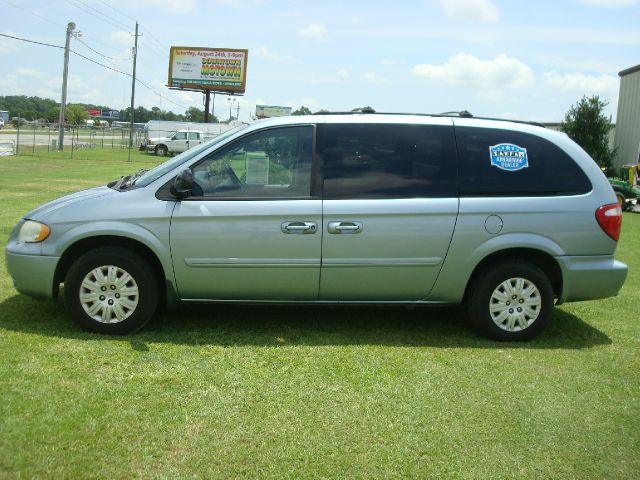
(179, 142)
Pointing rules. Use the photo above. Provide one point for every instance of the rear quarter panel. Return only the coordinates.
(557, 225)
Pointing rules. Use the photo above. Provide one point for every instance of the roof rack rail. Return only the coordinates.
(460, 114)
(363, 110)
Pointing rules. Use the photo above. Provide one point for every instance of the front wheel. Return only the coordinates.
(511, 301)
(111, 290)
(162, 151)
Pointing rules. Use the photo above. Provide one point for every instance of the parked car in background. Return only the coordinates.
(155, 129)
(179, 142)
(508, 218)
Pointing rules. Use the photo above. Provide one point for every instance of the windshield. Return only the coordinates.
(169, 165)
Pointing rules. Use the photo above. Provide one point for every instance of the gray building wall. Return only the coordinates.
(627, 136)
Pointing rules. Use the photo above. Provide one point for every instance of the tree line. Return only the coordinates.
(36, 108)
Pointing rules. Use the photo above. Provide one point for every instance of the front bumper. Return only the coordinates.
(32, 274)
(590, 277)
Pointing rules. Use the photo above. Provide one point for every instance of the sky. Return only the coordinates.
(527, 60)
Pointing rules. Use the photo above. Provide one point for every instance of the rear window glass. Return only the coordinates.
(499, 162)
(388, 161)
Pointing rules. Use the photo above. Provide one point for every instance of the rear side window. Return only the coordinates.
(388, 161)
(495, 162)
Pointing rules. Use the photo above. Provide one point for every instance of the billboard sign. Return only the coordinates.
(269, 111)
(219, 69)
(94, 112)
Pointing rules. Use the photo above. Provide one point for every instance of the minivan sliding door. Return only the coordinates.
(389, 208)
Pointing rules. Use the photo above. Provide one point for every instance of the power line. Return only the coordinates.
(93, 50)
(148, 87)
(164, 57)
(117, 10)
(81, 4)
(160, 53)
(119, 27)
(31, 41)
(163, 48)
(144, 84)
(159, 94)
(37, 15)
(98, 63)
(97, 14)
(31, 12)
(150, 35)
(101, 13)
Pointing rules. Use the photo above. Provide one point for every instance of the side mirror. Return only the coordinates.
(183, 184)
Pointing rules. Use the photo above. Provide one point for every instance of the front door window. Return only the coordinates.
(267, 164)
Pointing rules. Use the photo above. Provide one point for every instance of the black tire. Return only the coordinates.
(141, 290)
(492, 280)
(622, 200)
(162, 151)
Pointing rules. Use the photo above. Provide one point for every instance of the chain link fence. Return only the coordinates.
(34, 138)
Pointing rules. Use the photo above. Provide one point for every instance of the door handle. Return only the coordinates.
(344, 227)
(299, 227)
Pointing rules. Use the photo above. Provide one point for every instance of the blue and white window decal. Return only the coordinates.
(509, 157)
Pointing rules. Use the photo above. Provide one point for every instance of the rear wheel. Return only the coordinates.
(621, 199)
(511, 301)
(111, 290)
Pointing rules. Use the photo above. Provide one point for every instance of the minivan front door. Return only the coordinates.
(252, 228)
(389, 209)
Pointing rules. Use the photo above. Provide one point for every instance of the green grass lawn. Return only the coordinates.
(327, 392)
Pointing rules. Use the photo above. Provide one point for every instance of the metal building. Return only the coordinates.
(627, 136)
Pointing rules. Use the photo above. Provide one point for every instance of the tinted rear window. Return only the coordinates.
(388, 161)
(548, 171)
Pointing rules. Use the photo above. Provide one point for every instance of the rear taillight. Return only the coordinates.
(610, 219)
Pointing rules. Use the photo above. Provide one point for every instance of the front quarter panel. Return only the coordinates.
(136, 214)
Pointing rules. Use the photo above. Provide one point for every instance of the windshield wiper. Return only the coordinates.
(126, 181)
(132, 178)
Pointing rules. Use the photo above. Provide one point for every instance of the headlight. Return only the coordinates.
(33, 232)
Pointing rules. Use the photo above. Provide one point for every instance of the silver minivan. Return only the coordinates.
(363, 208)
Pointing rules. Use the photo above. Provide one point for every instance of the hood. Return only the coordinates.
(43, 210)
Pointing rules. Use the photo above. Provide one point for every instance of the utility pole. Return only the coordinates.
(238, 112)
(207, 96)
(70, 28)
(213, 105)
(133, 89)
(231, 102)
